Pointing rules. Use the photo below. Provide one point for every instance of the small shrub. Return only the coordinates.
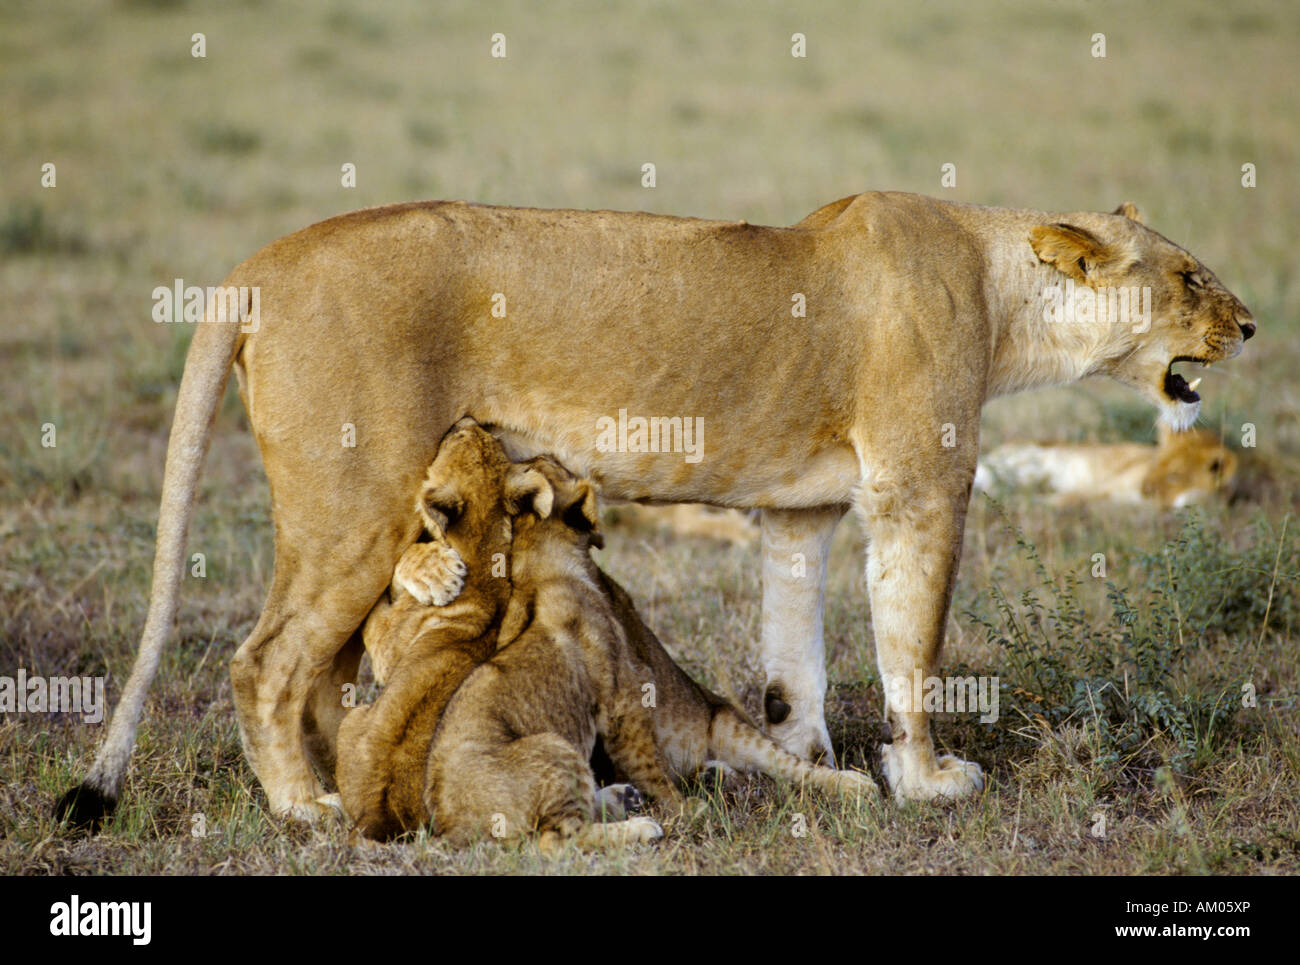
(1125, 681)
(1221, 591)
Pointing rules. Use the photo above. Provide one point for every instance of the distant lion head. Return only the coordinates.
(1189, 467)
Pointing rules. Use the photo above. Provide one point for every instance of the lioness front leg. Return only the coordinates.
(796, 544)
(911, 565)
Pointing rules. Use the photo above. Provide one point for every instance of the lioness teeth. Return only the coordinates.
(1191, 386)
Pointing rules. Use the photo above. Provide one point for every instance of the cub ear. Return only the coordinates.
(1076, 251)
(528, 491)
(582, 510)
(1130, 210)
(439, 506)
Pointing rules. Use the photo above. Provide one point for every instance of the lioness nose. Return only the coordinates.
(1247, 329)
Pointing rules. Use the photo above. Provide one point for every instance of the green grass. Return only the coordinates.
(169, 166)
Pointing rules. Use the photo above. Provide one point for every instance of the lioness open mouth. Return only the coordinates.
(1177, 387)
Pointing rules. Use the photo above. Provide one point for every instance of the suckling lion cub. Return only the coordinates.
(423, 652)
(512, 752)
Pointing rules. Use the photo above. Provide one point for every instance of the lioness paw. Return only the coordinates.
(950, 780)
(433, 573)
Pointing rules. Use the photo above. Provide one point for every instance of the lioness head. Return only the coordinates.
(1193, 318)
(1189, 467)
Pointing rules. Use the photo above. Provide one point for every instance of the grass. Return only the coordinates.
(1122, 701)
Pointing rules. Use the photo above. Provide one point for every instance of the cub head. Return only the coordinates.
(562, 505)
(1157, 305)
(466, 499)
(1189, 467)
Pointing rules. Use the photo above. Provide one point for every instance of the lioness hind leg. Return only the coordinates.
(295, 658)
(325, 710)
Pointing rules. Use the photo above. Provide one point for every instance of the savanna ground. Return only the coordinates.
(1123, 744)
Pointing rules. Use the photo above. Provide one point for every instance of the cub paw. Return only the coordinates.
(615, 802)
(856, 785)
(433, 573)
(951, 779)
(717, 777)
(641, 830)
(617, 834)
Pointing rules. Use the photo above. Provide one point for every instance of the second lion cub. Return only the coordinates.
(511, 754)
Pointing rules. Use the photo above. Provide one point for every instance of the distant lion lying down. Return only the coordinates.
(1185, 468)
(691, 519)
(511, 753)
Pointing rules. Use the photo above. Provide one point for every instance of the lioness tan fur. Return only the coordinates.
(1184, 468)
(423, 652)
(839, 362)
(511, 755)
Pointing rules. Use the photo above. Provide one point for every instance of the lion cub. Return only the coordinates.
(422, 652)
(576, 662)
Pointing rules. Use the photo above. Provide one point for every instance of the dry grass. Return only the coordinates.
(171, 167)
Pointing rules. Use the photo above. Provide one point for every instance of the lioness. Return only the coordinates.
(1182, 469)
(512, 752)
(423, 652)
(839, 362)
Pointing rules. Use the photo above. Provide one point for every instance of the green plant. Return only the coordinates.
(1221, 591)
(1125, 681)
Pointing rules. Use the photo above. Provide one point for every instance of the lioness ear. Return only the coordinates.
(1130, 210)
(528, 491)
(1075, 251)
(439, 506)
